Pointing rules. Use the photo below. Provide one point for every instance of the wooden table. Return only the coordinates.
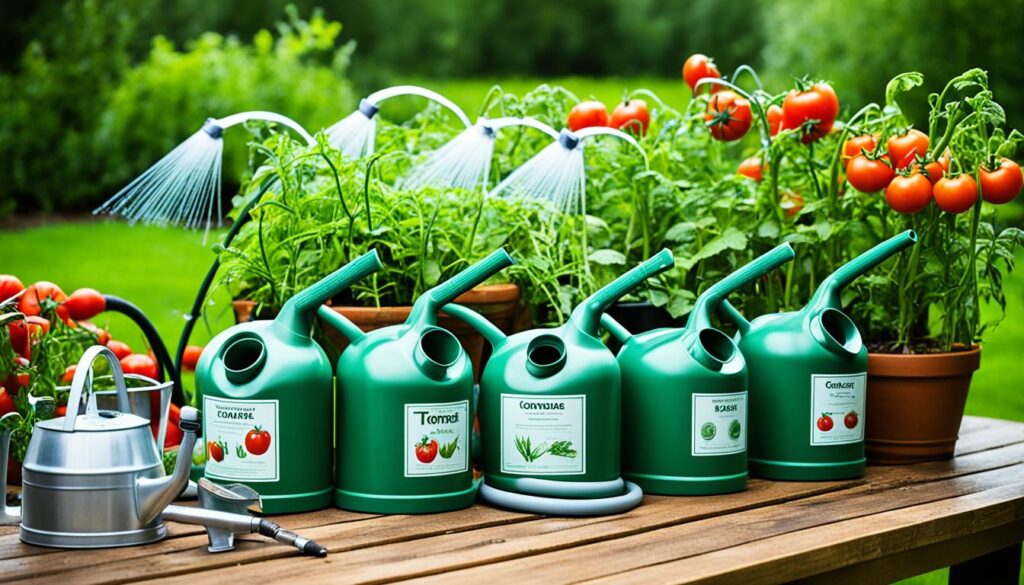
(894, 523)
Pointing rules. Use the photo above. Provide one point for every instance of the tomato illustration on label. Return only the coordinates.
(851, 419)
(825, 423)
(257, 441)
(426, 449)
(216, 450)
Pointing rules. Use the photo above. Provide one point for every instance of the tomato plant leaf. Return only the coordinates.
(607, 257)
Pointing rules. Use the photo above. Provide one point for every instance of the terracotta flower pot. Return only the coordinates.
(498, 302)
(915, 403)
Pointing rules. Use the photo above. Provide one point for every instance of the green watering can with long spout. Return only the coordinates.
(549, 410)
(684, 397)
(266, 389)
(808, 380)
(405, 408)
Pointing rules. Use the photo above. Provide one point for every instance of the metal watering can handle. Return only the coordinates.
(83, 377)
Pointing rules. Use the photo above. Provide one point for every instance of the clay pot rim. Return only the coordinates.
(505, 292)
(924, 365)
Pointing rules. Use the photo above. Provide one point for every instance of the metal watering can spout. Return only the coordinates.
(828, 294)
(424, 310)
(153, 495)
(298, 313)
(713, 297)
(587, 315)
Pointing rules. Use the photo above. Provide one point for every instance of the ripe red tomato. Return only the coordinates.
(85, 303)
(69, 374)
(867, 175)
(6, 402)
(26, 332)
(791, 203)
(851, 419)
(819, 103)
(120, 348)
(698, 67)
(936, 169)
(215, 450)
(751, 167)
(631, 115)
(904, 149)
(909, 194)
(1002, 184)
(855, 145)
(30, 303)
(9, 286)
(61, 410)
(257, 441)
(825, 423)
(18, 380)
(728, 116)
(955, 195)
(587, 114)
(191, 357)
(140, 364)
(102, 336)
(426, 450)
(774, 117)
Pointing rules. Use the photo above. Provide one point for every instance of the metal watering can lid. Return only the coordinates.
(94, 419)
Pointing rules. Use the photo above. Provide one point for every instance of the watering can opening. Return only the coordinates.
(438, 349)
(545, 355)
(840, 332)
(244, 357)
(717, 345)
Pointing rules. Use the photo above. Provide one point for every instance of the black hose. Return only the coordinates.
(163, 358)
(204, 288)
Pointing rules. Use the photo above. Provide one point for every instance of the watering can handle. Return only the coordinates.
(587, 315)
(484, 327)
(426, 306)
(730, 312)
(717, 293)
(616, 329)
(83, 377)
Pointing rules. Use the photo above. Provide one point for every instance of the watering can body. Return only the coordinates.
(684, 397)
(808, 381)
(405, 406)
(267, 395)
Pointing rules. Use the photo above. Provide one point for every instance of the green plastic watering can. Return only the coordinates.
(266, 390)
(684, 397)
(405, 408)
(808, 380)
(549, 410)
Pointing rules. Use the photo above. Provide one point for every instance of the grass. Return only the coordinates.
(160, 269)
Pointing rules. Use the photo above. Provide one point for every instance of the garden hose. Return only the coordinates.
(629, 499)
(163, 358)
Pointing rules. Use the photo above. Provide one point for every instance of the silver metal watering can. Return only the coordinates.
(96, 479)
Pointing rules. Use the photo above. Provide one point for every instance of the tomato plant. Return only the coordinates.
(955, 194)
(120, 348)
(869, 175)
(140, 364)
(9, 286)
(38, 295)
(587, 114)
(813, 109)
(904, 148)
(859, 144)
(631, 115)
(699, 67)
(728, 116)
(751, 168)
(909, 193)
(85, 303)
(773, 116)
(1002, 184)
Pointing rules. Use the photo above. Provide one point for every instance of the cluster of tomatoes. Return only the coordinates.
(911, 179)
(812, 108)
(74, 310)
(631, 115)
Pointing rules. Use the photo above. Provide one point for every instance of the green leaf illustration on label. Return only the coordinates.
(708, 430)
(448, 449)
(734, 429)
(562, 449)
(528, 450)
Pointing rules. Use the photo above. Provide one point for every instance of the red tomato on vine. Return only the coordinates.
(903, 149)
(909, 194)
(587, 114)
(869, 175)
(1002, 184)
(955, 195)
(699, 67)
(751, 168)
(728, 116)
(817, 106)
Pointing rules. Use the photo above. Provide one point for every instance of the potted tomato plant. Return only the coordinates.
(923, 317)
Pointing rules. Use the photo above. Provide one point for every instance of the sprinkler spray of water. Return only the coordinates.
(557, 174)
(465, 161)
(354, 135)
(183, 188)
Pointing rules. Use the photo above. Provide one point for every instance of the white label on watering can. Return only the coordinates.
(242, 440)
(719, 424)
(543, 435)
(436, 438)
(837, 409)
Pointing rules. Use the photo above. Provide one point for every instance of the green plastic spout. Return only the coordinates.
(298, 313)
(828, 294)
(350, 330)
(587, 315)
(425, 309)
(729, 312)
(700, 316)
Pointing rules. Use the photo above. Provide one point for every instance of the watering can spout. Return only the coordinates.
(425, 309)
(729, 312)
(587, 315)
(152, 495)
(297, 314)
(713, 297)
(828, 294)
